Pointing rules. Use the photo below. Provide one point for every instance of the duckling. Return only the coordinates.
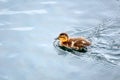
(73, 43)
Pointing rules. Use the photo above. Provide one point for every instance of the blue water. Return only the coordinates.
(28, 29)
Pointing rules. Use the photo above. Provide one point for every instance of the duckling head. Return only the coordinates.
(63, 37)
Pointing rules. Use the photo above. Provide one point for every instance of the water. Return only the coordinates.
(28, 29)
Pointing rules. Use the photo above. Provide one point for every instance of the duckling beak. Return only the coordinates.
(56, 38)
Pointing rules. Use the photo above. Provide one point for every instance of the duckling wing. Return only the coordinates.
(79, 43)
(84, 41)
(76, 43)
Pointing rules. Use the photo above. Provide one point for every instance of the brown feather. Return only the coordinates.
(75, 43)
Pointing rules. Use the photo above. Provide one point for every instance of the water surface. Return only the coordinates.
(28, 29)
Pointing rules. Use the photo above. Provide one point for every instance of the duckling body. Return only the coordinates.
(74, 43)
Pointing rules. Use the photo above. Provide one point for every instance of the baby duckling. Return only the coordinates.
(73, 43)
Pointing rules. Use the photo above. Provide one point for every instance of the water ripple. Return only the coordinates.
(19, 29)
(28, 12)
(105, 40)
(48, 2)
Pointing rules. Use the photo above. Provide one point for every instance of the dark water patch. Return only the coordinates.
(64, 50)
